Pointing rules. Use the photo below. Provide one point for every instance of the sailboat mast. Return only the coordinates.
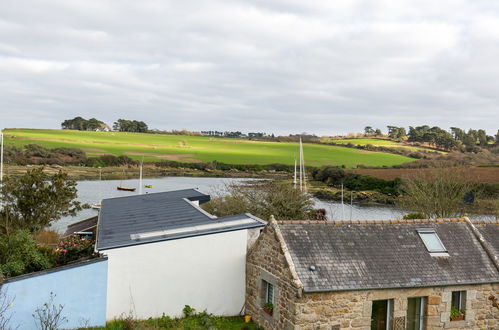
(303, 173)
(294, 178)
(1, 157)
(351, 204)
(342, 204)
(140, 176)
(301, 166)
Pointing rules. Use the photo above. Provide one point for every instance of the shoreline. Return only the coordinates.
(80, 173)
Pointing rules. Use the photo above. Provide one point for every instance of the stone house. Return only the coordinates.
(402, 274)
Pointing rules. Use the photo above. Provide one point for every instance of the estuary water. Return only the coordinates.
(93, 191)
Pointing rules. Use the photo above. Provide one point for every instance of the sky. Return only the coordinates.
(323, 67)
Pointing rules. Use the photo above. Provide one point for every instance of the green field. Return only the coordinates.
(377, 143)
(155, 147)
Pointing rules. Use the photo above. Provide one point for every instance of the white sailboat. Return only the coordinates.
(140, 176)
(302, 172)
(1, 157)
(98, 205)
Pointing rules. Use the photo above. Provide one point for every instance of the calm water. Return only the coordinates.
(93, 191)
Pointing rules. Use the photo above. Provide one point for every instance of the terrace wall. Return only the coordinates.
(81, 289)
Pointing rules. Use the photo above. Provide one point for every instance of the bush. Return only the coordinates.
(19, 254)
(335, 176)
(72, 248)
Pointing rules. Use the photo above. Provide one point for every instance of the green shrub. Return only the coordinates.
(20, 254)
(336, 176)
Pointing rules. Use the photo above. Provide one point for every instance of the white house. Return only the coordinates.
(165, 252)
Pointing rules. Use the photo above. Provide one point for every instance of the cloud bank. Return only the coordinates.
(327, 67)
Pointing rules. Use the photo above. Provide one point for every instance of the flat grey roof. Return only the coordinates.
(140, 219)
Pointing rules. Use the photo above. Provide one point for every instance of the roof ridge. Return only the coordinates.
(382, 222)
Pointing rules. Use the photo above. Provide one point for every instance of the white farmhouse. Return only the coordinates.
(165, 252)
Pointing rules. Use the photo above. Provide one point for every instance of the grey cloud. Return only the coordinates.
(277, 66)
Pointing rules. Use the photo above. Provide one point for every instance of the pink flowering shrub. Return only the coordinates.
(72, 248)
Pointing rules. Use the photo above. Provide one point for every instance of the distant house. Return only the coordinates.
(165, 252)
(407, 274)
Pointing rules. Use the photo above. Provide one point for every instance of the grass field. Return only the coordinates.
(155, 147)
(377, 143)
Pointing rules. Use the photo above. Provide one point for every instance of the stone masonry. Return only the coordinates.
(294, 309)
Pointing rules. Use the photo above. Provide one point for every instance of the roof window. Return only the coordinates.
(432, 242)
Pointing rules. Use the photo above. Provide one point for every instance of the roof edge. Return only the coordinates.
(75, 264)
(484, 243)
(383, 222)
(164, 239)
(296, 279)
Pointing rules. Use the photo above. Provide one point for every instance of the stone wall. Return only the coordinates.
(352, 309)
(266, 261)
(293, 309)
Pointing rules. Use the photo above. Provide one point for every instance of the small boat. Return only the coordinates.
(148, 185)
(120, 187)
(96, 206)
(126, 188)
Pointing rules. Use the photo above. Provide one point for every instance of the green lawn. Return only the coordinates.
(155, 147)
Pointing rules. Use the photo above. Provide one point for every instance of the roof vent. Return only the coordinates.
(312, 268)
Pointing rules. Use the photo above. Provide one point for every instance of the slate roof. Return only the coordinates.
(166, 215)
(490, 231)
(380, 254)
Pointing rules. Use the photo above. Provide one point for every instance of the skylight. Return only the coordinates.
(431, 240)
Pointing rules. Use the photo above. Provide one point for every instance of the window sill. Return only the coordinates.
(267, 316)
(464, 324)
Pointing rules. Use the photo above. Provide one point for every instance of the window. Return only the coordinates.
(458, 305)
(381, 315)
(269, 292)
(432, 242)
(416, 312)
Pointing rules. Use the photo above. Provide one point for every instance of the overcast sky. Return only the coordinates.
(324, 67)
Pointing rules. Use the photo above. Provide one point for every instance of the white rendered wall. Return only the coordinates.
(205, 272)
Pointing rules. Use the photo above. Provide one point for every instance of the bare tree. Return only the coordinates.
(5, 305)
(49, 315)
(438, 193)
(263, 199)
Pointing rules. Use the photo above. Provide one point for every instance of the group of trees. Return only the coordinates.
(456, 139)
(125, 125)
(92, 124)
(82, 124)
(369, 131)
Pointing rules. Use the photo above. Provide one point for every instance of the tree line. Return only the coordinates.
(455, 139)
